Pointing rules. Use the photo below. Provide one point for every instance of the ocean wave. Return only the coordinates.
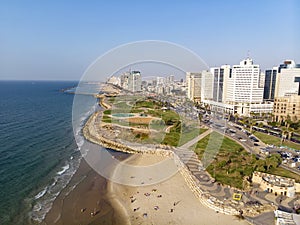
(45, 198)
(41, 193)
(64, 169)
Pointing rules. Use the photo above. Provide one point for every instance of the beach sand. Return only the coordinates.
(177, 204)
(90, 194)
(120, 204)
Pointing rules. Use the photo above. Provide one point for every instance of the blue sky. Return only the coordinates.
(59, 39)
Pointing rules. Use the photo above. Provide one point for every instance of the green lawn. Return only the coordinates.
(272, 140)
(179, 133)
(285, 173)
(228, 162)
(187, 135)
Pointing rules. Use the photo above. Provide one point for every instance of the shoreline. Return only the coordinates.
(74, 205)
(114, 197)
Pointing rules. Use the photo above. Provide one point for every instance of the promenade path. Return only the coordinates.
(196, 139)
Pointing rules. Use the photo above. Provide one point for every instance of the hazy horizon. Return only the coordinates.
(59, 40)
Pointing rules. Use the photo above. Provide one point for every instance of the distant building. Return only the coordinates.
(193, 82)
(131, 81)
(135, 81)
(170, 79)
(270, 82)
(114, 80)
(207, 85)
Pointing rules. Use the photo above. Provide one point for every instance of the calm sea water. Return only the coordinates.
(38, 152)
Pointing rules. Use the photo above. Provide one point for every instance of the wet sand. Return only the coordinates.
(89, 196)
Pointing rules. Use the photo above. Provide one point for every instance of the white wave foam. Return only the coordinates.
(64, 169)
(37, 207)
(80, 142)
(46, 198)
(41, 193)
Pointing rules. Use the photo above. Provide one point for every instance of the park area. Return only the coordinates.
(148, 121)
(229, 163)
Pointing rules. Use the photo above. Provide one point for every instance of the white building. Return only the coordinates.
(193, 83)
(207, 85)
(243, 84)
(237, 89)
(114, 80)
(131, 81)
(220, 82)
(285, 79)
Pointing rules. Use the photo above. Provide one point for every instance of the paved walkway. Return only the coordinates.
(196, 139)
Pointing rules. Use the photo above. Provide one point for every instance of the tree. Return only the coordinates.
(236, 116)
(288, 121)
(260, 125)
(284, 132)
(272, 161)
(252, 123)
(290, 131)
(260, 165)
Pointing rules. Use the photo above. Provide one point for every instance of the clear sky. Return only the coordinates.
(55, 39)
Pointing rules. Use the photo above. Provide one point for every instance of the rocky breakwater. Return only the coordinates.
(92, 131)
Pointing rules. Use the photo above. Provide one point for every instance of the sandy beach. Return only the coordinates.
(89, 196)
(168, 202)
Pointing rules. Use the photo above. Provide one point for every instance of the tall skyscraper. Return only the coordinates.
(135, 81)
(243, 84)
(131, 81)
(220, 80)
(270, 81)
(207, 85)
(237, 89)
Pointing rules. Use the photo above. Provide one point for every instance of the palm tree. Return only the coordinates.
(283, 134)
(288, 121)
(236, 116)
(290, 131)
(252, 123)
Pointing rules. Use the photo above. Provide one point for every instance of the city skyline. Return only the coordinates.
(59, 40)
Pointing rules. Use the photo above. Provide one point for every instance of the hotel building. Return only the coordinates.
(287, 98)
(238, 89)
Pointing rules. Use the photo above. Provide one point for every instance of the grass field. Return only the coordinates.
(272, 140)
(179, 133)
(229, 163)
(285, 173)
